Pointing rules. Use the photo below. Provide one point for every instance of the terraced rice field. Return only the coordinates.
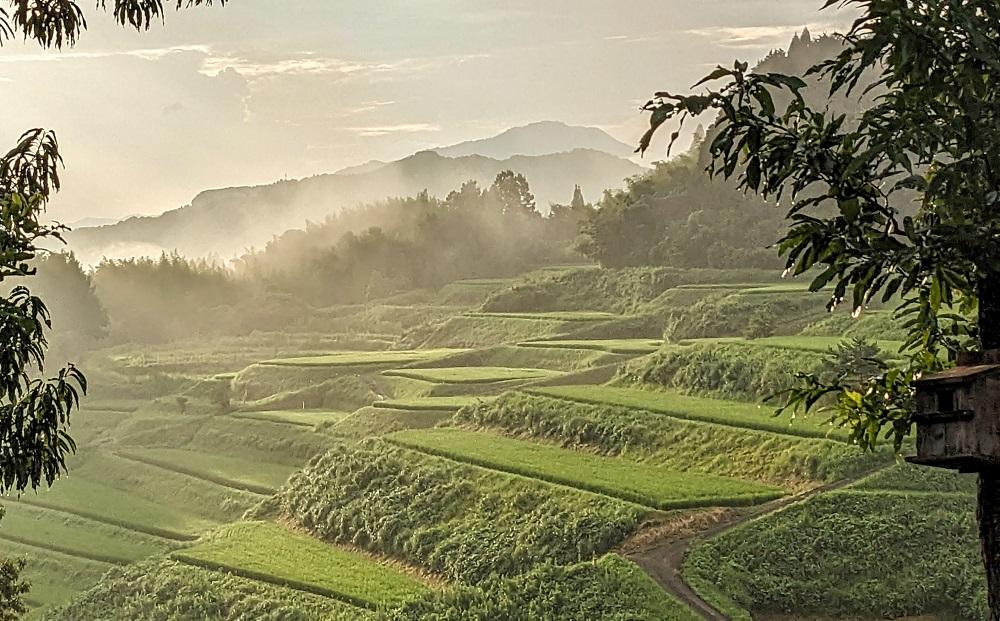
(612, 346)
(110, 505)
(75, 536)
(55, 578)
(271, 553)
(431, 403)
(471, 375)
(552, 315)
(655, 487)
(244, 474)
(297, 418)
(821, 344)
(677, 405)
(363, 358)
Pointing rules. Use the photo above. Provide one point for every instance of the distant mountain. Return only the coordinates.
(367, 167)
(91, 222)
(541, 138)
(228, 222)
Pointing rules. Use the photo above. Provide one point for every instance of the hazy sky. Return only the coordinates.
(263, 88)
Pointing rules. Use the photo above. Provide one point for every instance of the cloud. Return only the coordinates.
(143, 53)
(307, 64)
(385, 130)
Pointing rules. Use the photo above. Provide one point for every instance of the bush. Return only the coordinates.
(445, 516)
(850, 554)
(731, 371)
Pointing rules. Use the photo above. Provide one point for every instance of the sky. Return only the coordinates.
(264, 89)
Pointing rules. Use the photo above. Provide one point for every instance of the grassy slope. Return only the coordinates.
(160, 590)
(775, 459)
(55, 578)
(652, 486)
(431, 404)
(687, 407)
(300, 418)
(608, 588)
(68, 534)
(273, 554)
(471, 375)
(252, 475)
(361, 358)
(849, 554)
(613, 346)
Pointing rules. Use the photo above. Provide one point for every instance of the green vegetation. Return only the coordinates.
(849, 554)
(74, 536)
(442, 515)
(54, 577)
(775, 459)
(677, 405)
(613, 346)
(164, 590)
(609, 588)
(471, 375)
(432, 404)
(375, 421)
(817, 344)
(907, 478)
(551, 315)
(361, 358)
(741, 371)
(651, 486)
(251, 475)
(273, 554)
(301, 418)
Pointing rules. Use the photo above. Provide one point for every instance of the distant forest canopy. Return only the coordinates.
(676, 216)
(364, 254)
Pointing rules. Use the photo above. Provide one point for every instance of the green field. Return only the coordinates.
(114, 506)
(820, 344)
(612, 346)
(245, 474)
(702, 409)
(848, 555)
(552, 315)
(299, 418)
(362, 358)
(655, 487)
(471, 375)
(273, 554)
(75, 536)
(55, 578)
(431, 404)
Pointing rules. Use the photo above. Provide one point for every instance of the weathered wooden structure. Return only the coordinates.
(958, 415)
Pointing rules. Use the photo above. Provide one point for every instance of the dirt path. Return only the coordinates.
(663, 559)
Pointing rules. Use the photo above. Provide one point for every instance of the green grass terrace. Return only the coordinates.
(686, 407)
(651, 486)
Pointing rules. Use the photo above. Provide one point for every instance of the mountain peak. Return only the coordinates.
(539, 138)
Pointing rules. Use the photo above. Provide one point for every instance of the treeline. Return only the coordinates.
(359, 255)
(676, 216)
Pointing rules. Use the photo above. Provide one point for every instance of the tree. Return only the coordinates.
(513, 195)
(34, 410)
(898, 199)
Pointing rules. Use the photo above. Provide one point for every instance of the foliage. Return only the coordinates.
(760, 325)
(744, 371)
(908, 478)
(652, 486)
(729, 313)
(162, 590)
(816, 558)
(273, 554)
(625, 290)
(444, 516)
(632, 429)
(12, 587)
(928, 134)
(609, 588)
